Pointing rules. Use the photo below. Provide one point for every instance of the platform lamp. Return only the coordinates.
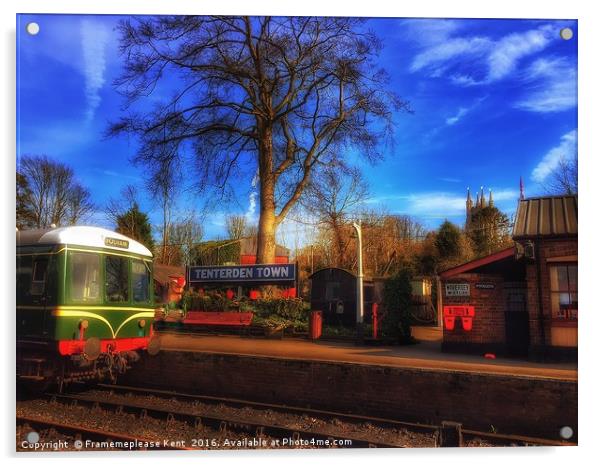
(359, 315)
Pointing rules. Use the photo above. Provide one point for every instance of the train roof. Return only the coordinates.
(82, 236)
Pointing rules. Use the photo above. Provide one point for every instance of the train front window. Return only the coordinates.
(84, 271)
(140, 281)
(39, 276)
(117, 279)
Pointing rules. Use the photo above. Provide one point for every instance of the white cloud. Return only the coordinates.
(464, 80)
(94, 40)
(553, 86)
(463, 111)
(441, 204)
(252, 199)
(510, 49)
(505, 194)
(429, 31)
(567, 148)
(493, 59)
(454, 119)
(450, 180)
(438, 57)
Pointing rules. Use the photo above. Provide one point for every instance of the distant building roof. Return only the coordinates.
(546, 216)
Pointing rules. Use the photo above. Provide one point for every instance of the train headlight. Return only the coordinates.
(83, 324)
(142, 323)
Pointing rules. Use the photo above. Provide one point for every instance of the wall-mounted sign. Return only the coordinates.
(464, 313)
(117, 242)
(485, 286)
(457, 289)
(269, 273)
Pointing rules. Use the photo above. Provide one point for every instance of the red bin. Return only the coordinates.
(315, 325)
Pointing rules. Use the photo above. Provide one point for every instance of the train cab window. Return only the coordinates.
(140, 281)
(117, 277)
(84, 270)
(24, 274)
(38, 278)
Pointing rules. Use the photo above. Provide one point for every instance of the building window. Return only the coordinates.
(84, 270)
(140, 281)
(563, 289)
(117, 279)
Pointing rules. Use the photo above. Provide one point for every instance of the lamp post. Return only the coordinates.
(359, 315)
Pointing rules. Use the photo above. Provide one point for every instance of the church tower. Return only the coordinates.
(480, 203)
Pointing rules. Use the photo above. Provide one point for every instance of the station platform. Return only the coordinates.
(424, 355)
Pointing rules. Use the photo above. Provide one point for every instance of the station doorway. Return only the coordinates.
(516, 318)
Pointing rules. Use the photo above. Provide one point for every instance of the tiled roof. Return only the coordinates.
(546, 216)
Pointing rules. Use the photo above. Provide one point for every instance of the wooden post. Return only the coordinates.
(450, 434)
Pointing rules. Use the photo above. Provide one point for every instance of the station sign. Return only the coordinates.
(485, 286)
(267, 273)
(457, 289)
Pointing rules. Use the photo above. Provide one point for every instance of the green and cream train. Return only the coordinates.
(85, 304)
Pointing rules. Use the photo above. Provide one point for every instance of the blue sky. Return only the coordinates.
(493, 100)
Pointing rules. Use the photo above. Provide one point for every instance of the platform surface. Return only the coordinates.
(425, 355)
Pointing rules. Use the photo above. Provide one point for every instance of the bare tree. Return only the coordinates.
(53, 195)
(163, 176)
(563, 179)
(117, 207)
(281, 94)
(236, 225)
(331, 197)
(185, 234)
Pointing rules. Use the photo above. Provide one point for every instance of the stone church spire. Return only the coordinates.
(490, 198)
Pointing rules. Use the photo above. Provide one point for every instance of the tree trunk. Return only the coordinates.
(266, 233)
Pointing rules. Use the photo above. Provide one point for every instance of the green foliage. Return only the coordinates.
(447, 240)
(489, 230)
(217, 252)
(426, 259)
(208, 302)
(135, 224)
(398, 300)
(287, 308)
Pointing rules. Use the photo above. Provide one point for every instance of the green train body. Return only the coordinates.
(85, 304)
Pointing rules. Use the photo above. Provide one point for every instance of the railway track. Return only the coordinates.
(236, 424)
(221, 424)
(468, 434)
(85, 438)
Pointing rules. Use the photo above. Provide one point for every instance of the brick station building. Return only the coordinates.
(520, 301)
